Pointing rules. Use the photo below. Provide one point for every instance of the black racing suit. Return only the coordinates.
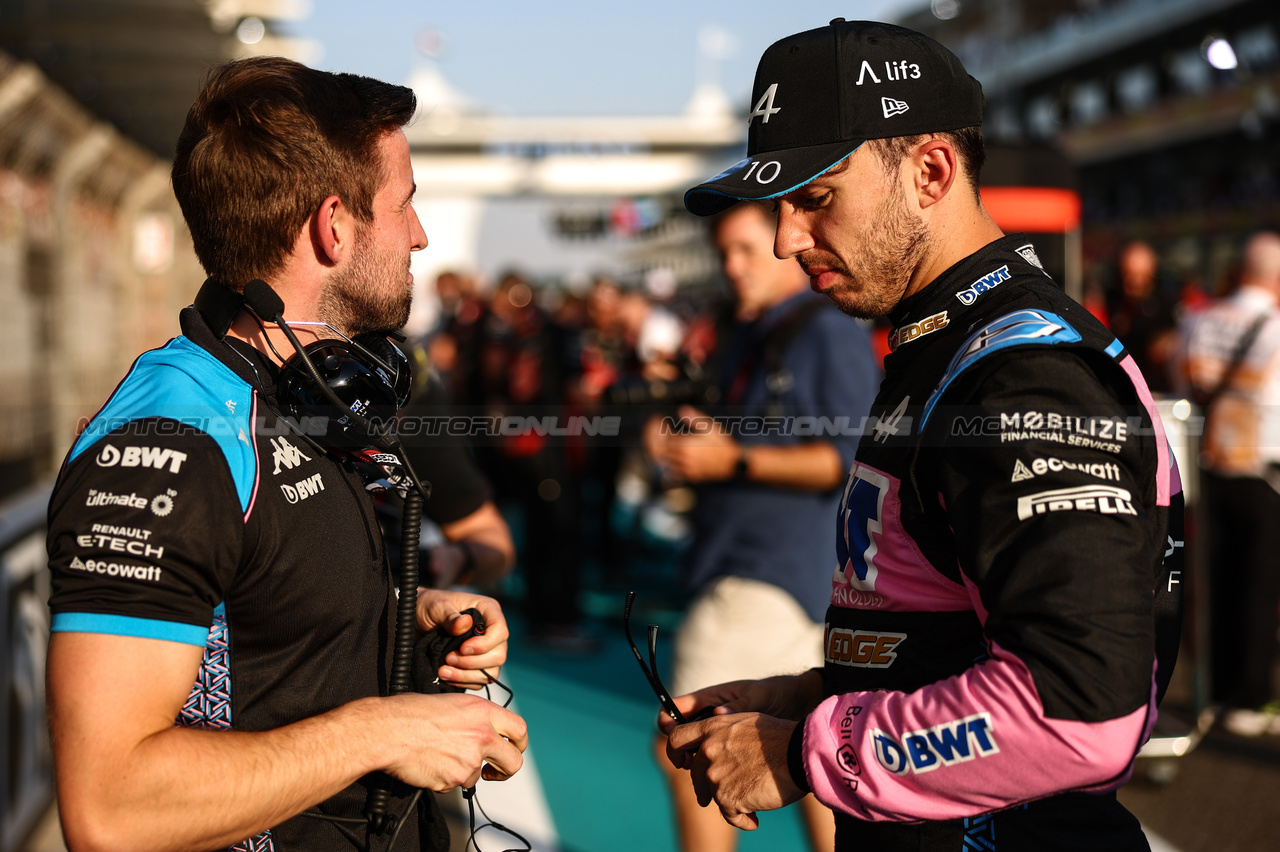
(1008, 532)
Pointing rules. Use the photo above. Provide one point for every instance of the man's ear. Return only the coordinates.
(936, 170)
(332, 230)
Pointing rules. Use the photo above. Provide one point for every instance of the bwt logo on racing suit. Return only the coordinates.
(862, 649)
(942, 745)
(155, 457)
(982, 285)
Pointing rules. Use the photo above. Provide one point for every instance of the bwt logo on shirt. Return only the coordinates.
(155, 457)
(942, 745)
(302, 490)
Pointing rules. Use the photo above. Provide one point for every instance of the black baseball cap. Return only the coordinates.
(820, 94)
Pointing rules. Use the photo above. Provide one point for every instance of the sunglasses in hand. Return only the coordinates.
(651, 669)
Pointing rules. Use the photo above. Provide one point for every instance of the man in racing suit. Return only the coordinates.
(223, 611)
(991, 660)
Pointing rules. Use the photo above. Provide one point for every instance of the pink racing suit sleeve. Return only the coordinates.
(876, 755)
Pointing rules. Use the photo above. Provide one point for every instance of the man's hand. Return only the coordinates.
(784, 697)
(443, 608)
(739, 760)
(452, 740)
(709, 457)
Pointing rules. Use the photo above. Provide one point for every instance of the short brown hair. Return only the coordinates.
(967, 141)
(266, 141)
(764, 208)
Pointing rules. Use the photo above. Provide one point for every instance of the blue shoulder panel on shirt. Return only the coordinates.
(124, 625)
(182, 382)
(1020, 328)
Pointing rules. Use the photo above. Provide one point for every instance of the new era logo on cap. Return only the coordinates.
(835, 83)
(892, 107)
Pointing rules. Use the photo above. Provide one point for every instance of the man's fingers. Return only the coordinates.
(701, 787)
(488, 773)
(687, 737)
(746, 822)
(512, 728)
(504, 760)
(679, 759)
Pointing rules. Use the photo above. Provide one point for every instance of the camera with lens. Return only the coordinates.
(692, 385)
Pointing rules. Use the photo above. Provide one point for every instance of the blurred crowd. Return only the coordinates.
(1217, 345)
(515, 348)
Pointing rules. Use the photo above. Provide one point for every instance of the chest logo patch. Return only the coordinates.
(908, 333)
(862, 648)
(303, 489)
(286, 455)
(970, 294)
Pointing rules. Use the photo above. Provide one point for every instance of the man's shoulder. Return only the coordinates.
(173, 395)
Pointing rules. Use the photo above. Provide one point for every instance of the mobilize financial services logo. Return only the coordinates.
(153, 457)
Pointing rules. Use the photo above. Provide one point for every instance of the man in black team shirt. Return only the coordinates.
(214, 567)
(997, 634)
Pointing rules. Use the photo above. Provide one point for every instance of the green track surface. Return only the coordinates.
(591, 726)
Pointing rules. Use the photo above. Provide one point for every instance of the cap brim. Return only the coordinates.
(766, 175)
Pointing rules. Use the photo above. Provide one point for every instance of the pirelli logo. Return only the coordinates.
(1103, 499)
(862, 649)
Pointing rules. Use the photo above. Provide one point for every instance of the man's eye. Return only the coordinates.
(813, 202)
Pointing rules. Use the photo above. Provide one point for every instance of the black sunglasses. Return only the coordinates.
(651, 670)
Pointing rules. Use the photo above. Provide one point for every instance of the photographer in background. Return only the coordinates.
(760, 557)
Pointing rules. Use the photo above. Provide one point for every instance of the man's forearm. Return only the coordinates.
(245, 783)
(814, 466)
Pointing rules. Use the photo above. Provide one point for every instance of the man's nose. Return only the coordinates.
(792, 236)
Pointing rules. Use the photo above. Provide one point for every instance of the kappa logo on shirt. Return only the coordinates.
(286, 454)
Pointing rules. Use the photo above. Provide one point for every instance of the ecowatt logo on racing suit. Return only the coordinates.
(1039, 467)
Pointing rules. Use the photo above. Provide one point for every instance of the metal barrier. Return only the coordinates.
(26, 784)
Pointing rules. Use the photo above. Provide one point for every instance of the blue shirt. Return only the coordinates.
(777, 535)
